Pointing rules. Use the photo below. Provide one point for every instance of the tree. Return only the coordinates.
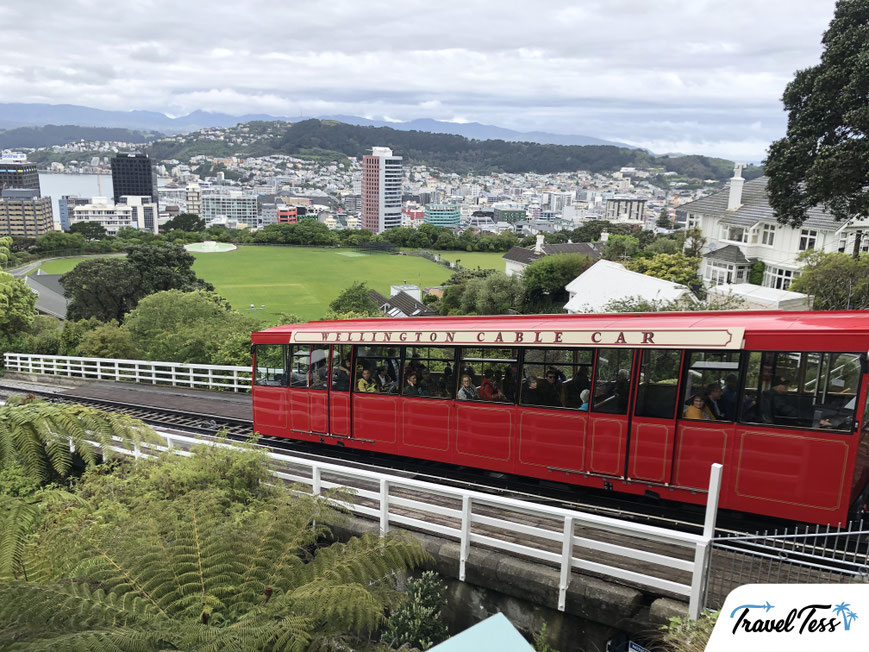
(199, 554)
(835, 280)
(73, 332)
(755, 276)
(824, 157)
(105, 288)
(165, 267)
(184, 222)
(663, 221)
(37, 435)
(59, 241)
(495, 294)
(544, 280)
(677, 268)
(5, 247)
(355, 299)
(620, 247)
(17, 305)
(694, 242)
(89, 230)
(195, 326)
(108, 341)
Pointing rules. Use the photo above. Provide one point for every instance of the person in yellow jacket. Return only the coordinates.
(697, 409)
(365, 384)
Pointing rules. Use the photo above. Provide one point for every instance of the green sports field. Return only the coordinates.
(62, 265)
(305, 280)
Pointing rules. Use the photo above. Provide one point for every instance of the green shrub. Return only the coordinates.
(417, 620)
(683, 635)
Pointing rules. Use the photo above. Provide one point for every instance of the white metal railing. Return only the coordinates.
(548, 534)
(178, 374)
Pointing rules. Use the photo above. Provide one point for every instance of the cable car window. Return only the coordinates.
(657, 391)
(270, 365)
(711, 386)
(612, 385)
(557, 378)
(378, 370)
(318, 366)
(488, 375)
(341, 367)
(428, 371)
(815, 390)
(300, 361)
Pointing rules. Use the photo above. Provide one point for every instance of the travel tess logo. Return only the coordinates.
(792, 618)
(809, 618)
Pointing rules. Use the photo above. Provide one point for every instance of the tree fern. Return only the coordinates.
(186, 575)
(38, 435)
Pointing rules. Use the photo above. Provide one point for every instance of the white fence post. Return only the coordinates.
(702, 550)
(566, 562)
(384, 506)
(315, 480)
(465, 545)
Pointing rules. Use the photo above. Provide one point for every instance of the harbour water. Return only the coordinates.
(83, 185)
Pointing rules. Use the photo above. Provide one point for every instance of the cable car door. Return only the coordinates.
(653, 425)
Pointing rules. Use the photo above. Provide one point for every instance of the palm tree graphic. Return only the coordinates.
(843, 609)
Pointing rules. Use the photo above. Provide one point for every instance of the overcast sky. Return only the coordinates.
(697, 76)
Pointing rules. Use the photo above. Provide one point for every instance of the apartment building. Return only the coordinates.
(24, 214)
(234, 206)
(134, 212)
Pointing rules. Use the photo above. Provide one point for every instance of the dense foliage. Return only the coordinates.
(824, 158)
(195, 326)
(35, 436)
(109, 288)
(355, 299)
(837, 281)
(197, 553)
(545, 279)
(417, 621)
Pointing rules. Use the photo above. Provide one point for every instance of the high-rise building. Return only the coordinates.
(381, 190)
(65, 205)
(443, 214)
(194, 198)
(24, 214)
(133, 176)
(18, 174)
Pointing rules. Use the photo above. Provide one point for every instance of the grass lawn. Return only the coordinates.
(61, 265)
(305, 280)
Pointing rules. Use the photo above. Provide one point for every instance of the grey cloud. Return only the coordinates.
(669, 71)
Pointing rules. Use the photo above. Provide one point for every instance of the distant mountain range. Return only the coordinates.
(14, 115)
(48, 135)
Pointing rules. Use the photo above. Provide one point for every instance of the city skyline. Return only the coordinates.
(675, 76)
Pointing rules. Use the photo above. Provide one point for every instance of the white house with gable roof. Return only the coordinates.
(606, 281)
(741, 229)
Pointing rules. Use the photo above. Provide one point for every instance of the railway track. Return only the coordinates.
(662, 513)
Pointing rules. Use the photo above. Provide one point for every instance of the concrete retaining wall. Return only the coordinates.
(527, 593)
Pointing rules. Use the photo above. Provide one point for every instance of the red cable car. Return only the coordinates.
(635, 403)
